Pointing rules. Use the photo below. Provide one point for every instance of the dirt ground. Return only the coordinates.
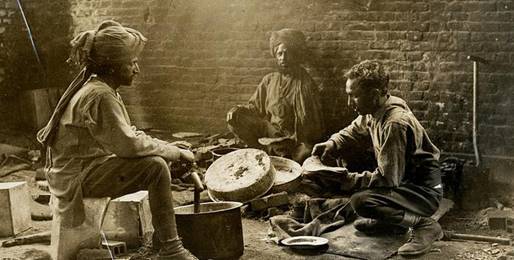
(259, 246)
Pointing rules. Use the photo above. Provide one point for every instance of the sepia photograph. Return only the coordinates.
(256, 129)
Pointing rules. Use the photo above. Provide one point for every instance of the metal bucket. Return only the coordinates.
(215, 232)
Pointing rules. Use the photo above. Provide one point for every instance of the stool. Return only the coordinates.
(66, 242)
(128, 219)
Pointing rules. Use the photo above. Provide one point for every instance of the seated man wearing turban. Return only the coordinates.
(284, 114)
(92, 149)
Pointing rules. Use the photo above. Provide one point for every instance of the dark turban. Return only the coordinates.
(291, 38)
(108, 45)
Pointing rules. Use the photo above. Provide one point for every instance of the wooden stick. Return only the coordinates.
(43, 237)
(448, 235)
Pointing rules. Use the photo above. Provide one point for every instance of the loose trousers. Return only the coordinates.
(390, 204)
(120, 176)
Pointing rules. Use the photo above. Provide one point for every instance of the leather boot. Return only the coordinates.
(425, 231)
(166, 238)
(173, 250)
(371, 226)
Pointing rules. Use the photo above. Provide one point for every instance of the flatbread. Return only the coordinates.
(271, 140)
(314, 164)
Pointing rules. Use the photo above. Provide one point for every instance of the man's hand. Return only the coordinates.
(186, 155)
(230, 114)
(184, 163)
(324, 149)
(233, 113)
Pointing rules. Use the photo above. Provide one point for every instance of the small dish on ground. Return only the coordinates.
(305, 242)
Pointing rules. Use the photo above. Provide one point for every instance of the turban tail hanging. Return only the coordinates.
(110, 44)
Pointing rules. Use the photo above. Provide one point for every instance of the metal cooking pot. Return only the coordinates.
(215, 232)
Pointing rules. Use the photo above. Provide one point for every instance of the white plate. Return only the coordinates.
(305, 241)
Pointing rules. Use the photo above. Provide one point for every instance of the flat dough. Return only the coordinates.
(314, 164)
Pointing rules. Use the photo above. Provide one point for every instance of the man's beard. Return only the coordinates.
(127, 81)
(287, 69)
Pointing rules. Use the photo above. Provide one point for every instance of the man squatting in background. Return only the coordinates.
(285, 107)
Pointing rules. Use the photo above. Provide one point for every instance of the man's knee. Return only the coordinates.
(157, 167)
(362, 203)
(155, 161)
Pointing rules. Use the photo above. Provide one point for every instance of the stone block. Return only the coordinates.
(15, 205)
(509, 224)
(128, 219)
(66, 241)
(269, 201)
(116, 247)
(499, 219)
(497, 223)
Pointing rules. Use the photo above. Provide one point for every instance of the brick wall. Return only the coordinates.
(205, 56)
(197, 65)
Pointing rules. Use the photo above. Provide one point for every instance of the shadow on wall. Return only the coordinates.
(204, 57)
(39, 63)
(50, 22)
(332, 84)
